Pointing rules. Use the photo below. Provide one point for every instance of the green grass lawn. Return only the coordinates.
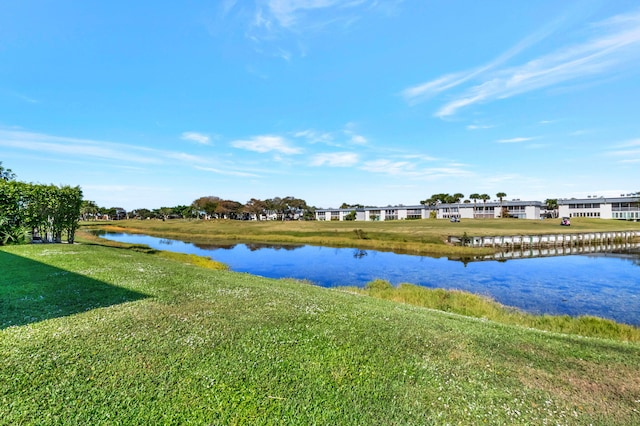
(101, 335)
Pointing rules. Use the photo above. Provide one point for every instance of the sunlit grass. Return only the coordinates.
(477, 306)
(208, 347)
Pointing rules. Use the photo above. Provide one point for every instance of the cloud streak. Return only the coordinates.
(335, 159)
(615, 43)
(196, 137)
(72, 147)
(266, 143)
(514, 140)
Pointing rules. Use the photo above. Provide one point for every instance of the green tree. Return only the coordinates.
(500, 196)
(552, 205)
(350, 216)
(206, 204)
(48, 210)
(228, 209)
(6, 174)
(457, 197)
(255, 207)
(484, 198)
(13, 227)
(68, 213)
(88, 210)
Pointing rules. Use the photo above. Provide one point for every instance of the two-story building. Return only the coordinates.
(623, 207)
(489, 210)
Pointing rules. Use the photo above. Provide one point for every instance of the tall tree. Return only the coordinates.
(255, 207)
(6, 174)
(88, 210)
(552, 204)
(484, 198)
(500, 196)
(457, 197)
(206, 204)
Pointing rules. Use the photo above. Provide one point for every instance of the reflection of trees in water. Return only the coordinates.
(215, 246)
(258, 246)
(359, 254)
(250, 246)
(166, 242)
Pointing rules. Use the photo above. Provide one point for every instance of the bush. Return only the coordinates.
(379, 285)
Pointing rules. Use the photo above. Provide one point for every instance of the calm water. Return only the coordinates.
(605, 285)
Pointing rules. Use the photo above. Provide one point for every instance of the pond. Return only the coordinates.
(601, 284)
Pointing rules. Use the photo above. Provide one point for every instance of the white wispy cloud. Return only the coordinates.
(313, 136)
(26, 98)
(184, 157)
(428, 89)
(514, 140)
(614, 44)
(279, 28)
(420, 157)
(226, 172)
(627, 152)
(478, 127)
(200, 138)
(289, 13)
(73, 147)
(388, 167)
(354, 136)
(634, 142)
(335, 159)
(121, 155)
(266, 143)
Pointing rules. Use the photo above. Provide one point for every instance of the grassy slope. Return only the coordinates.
(413, 236)
(180, 343)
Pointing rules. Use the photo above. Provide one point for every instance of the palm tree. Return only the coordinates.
(484, 198)
(552, 204)
(501, 195)
(457, 197)
(475, 197)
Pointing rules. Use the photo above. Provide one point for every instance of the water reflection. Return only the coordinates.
(359, 254)
(250, 246)
(628, 249)
(604, 284)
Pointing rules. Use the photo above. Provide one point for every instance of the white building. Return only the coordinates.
(515, 208)
(622, 208)
(625, 207)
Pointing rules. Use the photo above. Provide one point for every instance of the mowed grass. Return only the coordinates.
(181, 344)
(427, 236)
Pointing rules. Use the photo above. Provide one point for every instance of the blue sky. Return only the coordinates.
(150, 104)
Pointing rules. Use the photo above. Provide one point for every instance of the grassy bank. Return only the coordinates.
(100, 335)
(482, 307)
(408, 236)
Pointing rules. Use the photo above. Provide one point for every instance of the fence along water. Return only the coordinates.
(546, 240)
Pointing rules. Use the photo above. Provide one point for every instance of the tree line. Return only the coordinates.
(211, 207)
(37, 212)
